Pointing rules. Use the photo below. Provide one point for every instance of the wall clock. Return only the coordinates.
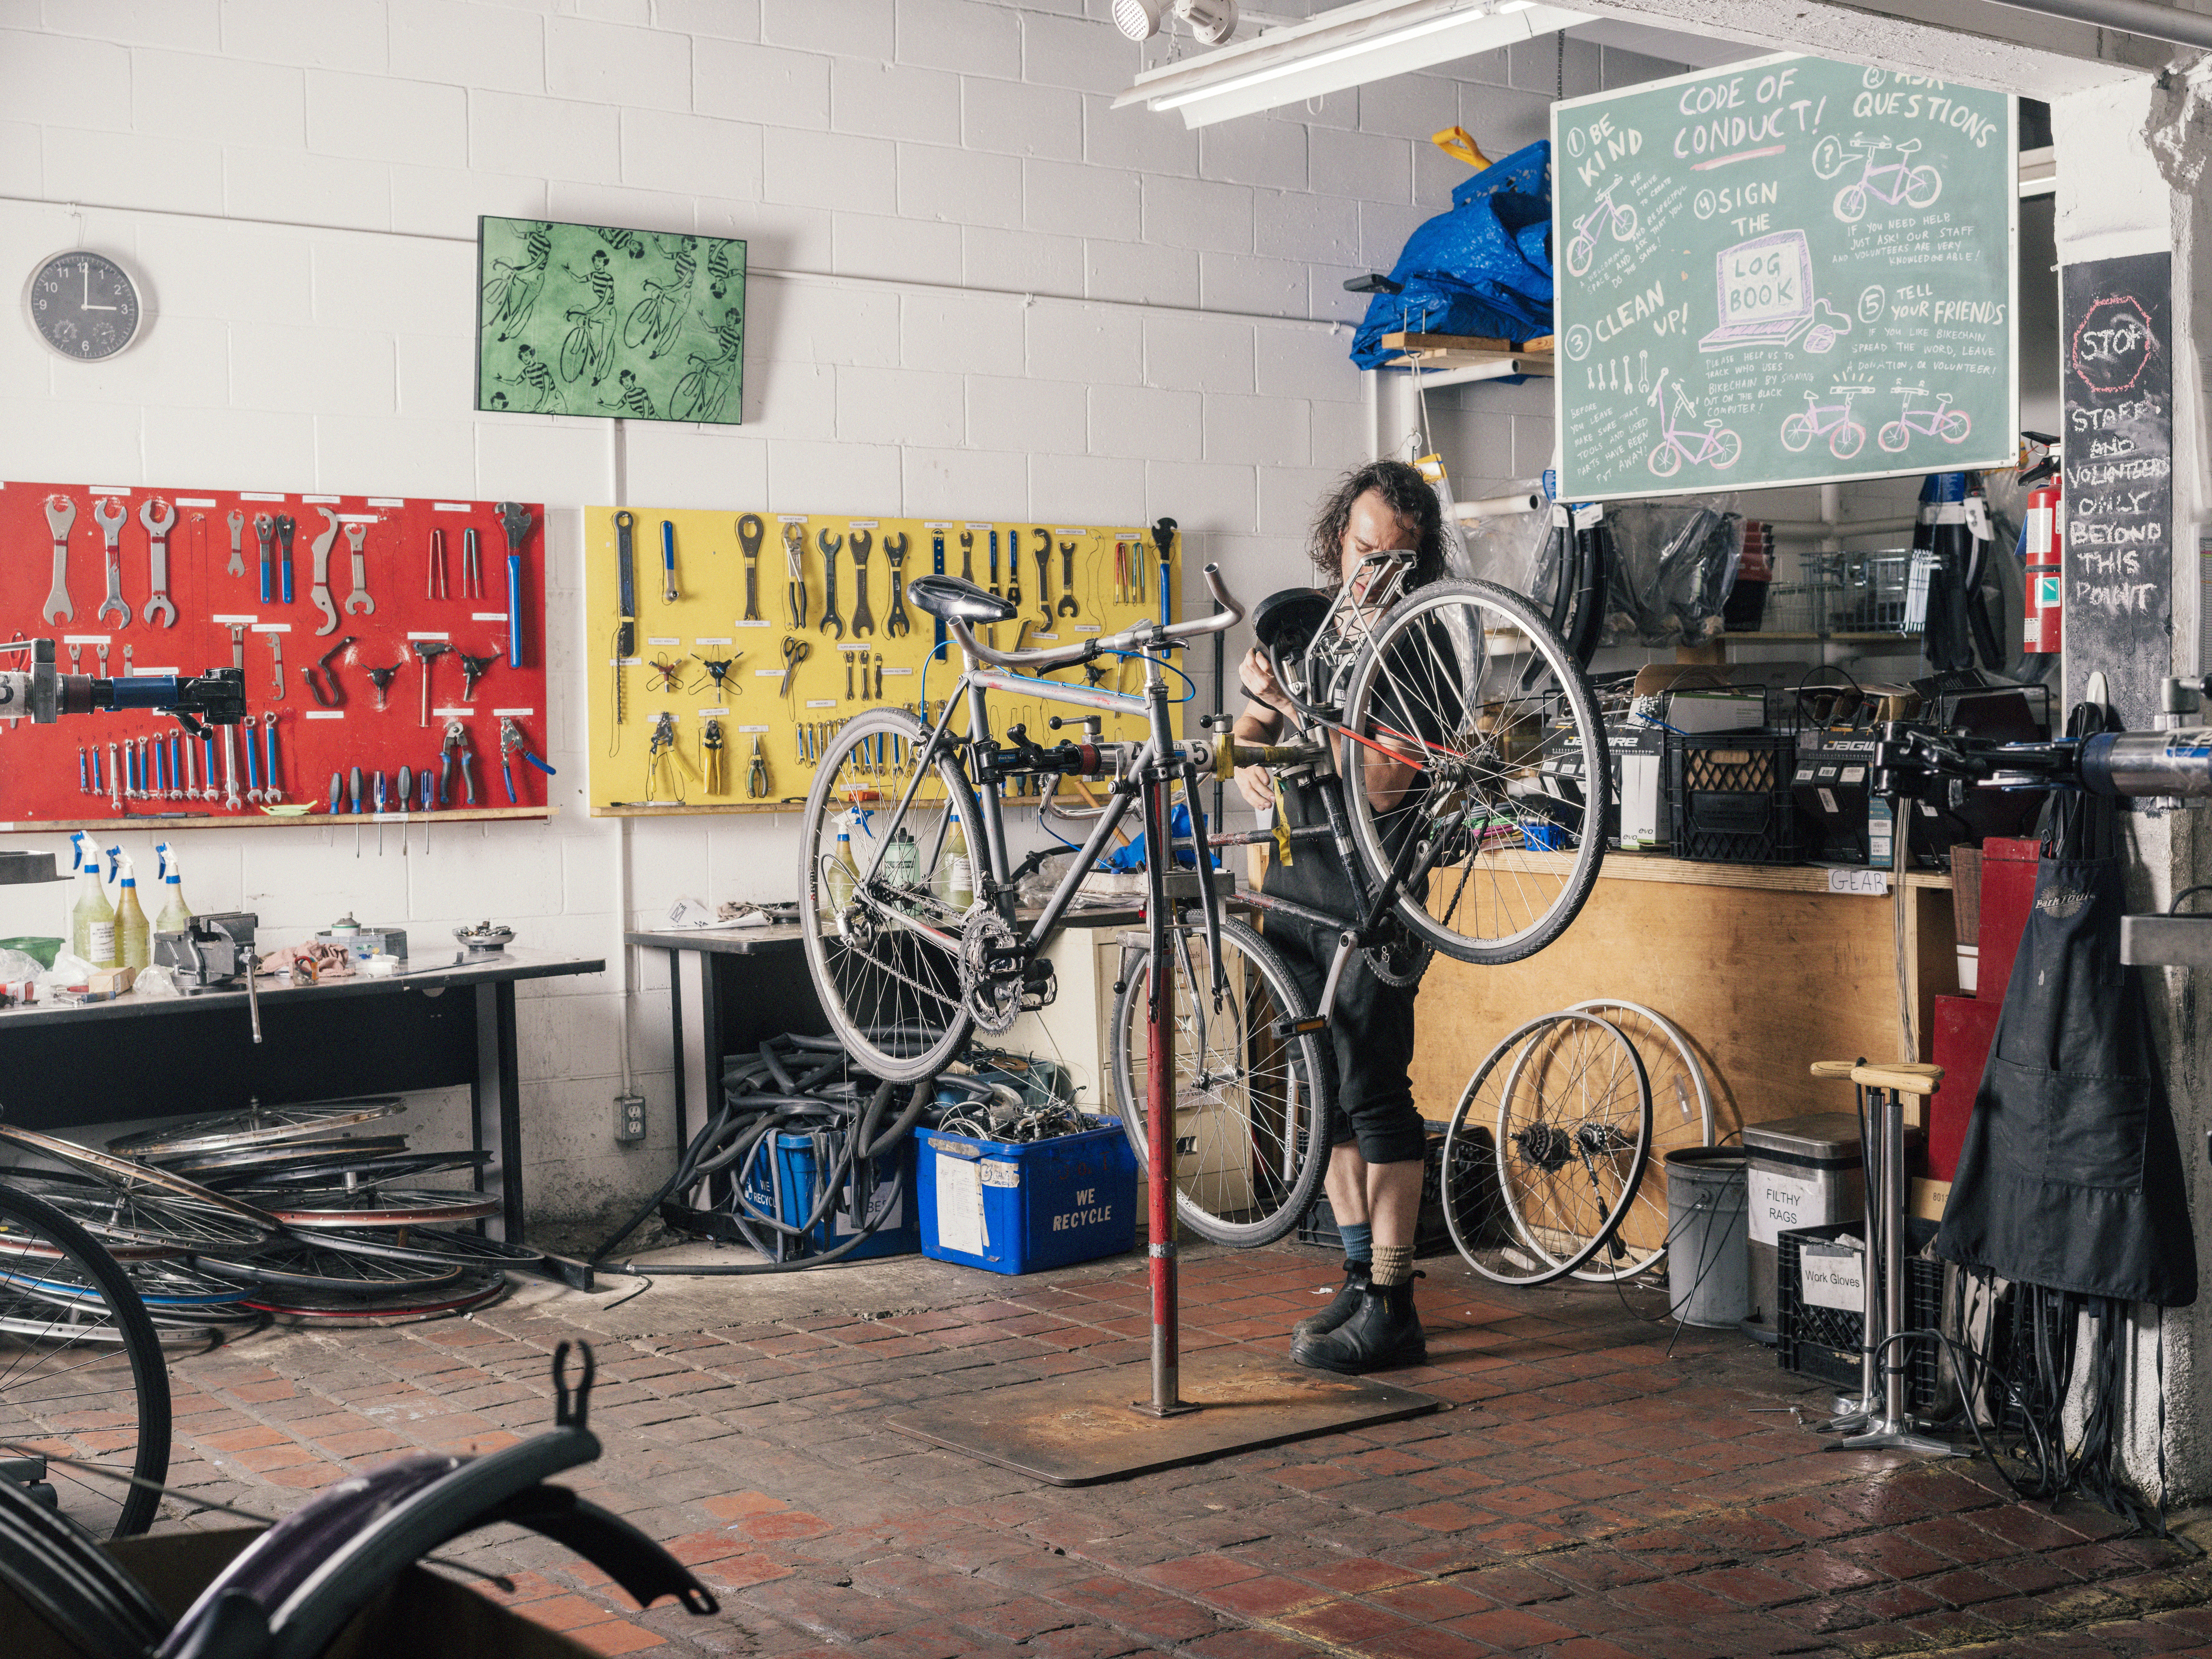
(84, 306)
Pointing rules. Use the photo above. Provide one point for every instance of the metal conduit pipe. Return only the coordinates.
(2169, 23)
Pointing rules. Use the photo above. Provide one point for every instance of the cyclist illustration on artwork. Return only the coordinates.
(532, 376)
(699, 395)
(512, 294)
(657, 319)
(591, 342)
(633, 400)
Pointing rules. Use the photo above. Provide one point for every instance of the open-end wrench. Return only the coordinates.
(358, 600)
(253, 764)
(864, 620)
(751, 531)
(110, 516)
(114, 781)
(1068, 605)
(238, 645)
(285, 526)
(102, 649)
(831, 622)
(270, 790)
(61, 514)
(237, 523)
(264, 531)
(160, 518)
(230, 767)
(895, 557)
(276, 661)
(192, 770)
(319, 591)
(1044, 572)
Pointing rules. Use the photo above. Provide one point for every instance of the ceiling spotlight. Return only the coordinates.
(1140, 20)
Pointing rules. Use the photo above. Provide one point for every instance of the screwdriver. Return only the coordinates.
(429, 792)
(406, 794)
(356, 782)
(379, 797)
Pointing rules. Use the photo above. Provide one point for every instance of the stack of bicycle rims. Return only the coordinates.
(296, 1214)
(1545, 1155)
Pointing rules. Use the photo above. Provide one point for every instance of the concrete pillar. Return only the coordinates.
(2132, 163)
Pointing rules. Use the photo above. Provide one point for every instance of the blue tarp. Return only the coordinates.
(1485, 268)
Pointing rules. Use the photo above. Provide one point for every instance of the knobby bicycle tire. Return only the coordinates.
(58, 1239)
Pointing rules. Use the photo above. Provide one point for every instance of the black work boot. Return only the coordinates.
(1382, 1333)
(1355, 1275)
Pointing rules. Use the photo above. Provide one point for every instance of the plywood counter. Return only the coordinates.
(1763, 968)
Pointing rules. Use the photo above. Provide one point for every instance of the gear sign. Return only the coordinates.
(994, 1004)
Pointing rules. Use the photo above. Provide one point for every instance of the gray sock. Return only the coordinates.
(1358, 1238)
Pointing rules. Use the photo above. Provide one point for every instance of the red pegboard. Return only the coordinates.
(41, 783)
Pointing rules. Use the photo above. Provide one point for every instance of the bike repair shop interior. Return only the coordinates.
(1781, 818)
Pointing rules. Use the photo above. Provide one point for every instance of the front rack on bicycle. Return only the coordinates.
(1852, 595)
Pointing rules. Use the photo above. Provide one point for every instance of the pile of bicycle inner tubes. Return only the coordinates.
(307, 1214)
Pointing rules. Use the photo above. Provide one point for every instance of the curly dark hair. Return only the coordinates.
(1406, 493)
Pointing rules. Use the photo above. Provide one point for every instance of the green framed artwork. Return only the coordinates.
(597, 321)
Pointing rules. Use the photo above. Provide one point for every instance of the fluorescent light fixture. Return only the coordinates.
(1345, 46)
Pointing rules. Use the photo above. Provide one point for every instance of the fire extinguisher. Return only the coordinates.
(2041, 632)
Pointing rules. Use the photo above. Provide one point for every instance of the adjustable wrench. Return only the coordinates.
(264, 531)
(320, 590)
(237, 565)
(111, 518)
(160, 518)
(864, 620)
(359, 600)
(831, 622)
(61, 514)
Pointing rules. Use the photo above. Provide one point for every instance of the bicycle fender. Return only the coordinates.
(645, 1569)
(69, 1583)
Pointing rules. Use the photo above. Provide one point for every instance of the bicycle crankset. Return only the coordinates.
(995, 983)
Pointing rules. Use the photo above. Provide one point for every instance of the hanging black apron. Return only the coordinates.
(2070, 1175)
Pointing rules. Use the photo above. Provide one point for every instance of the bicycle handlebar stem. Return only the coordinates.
(1143, 635)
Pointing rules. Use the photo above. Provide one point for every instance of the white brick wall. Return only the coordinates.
(977, 290)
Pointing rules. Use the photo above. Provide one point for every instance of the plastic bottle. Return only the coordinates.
(902, 864)
(134, 935)
(176, 915)
(957, 870)
(843, 875)
(92, 918)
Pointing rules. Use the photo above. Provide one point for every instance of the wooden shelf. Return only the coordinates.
(1761, 877)
(255, 818)
(1473, 351)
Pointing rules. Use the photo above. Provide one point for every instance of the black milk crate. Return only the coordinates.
(1825, 1342)
(1727, 796)
(1481, 1210)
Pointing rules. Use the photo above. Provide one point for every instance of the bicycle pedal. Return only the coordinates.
(1311, 1025)
(1040, 985)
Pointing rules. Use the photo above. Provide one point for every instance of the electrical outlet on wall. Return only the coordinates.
(629, 1118)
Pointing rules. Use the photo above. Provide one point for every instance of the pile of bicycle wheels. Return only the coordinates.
(311, 1215)
(1547, 1158)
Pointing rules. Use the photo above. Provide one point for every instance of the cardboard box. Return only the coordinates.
(1697, 697)
(419, 1614)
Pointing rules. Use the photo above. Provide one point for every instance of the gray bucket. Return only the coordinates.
(1708, 1266)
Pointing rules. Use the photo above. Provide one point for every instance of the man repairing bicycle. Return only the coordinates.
(1378, 1143)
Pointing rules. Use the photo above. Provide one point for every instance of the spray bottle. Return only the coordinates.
(843, 875)
(958, 874)
(92, 918)
(176, 915)
(134, 938)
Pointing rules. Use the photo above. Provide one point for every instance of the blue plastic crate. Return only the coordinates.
(1019, 1207)
(788, 1184)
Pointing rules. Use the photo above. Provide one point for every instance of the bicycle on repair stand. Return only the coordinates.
(1465, 681)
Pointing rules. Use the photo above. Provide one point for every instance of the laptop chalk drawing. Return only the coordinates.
(1765, 292)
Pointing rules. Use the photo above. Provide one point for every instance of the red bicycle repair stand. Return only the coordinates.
(1081, 1428)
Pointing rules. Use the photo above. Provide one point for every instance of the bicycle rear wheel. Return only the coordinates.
(82, 1375)
(884, 953)
(1252, 1106)
(1681, 1116)
(1468, 683)
(1562, 1108)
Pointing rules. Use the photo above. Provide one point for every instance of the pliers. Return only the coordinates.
(511, 743)
(457, 739)
(756, 779)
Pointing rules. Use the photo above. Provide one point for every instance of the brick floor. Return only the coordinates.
(1600, 1487)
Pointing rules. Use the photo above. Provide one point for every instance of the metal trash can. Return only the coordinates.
(1804, 1172)
(1705, 1260)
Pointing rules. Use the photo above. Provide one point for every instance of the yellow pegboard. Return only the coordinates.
(708, 621)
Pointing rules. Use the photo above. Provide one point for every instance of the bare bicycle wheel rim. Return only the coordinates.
(1694, 1068)
(384, 1206)
(1618, 1207)
(127, 1176)
(261, 1127)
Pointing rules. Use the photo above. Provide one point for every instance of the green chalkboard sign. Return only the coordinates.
(1785, 271)
(592, 320)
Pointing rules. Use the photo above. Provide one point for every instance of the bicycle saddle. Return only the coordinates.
(954, 599)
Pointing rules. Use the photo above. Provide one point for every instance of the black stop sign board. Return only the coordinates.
(2116, 318)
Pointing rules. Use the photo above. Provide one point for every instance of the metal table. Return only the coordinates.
(138, 1057)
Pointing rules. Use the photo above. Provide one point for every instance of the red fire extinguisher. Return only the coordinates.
(2041, 632)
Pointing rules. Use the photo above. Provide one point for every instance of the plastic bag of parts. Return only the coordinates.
(1674, 565)
(68, 970)
(1484, 268)
(156, 982)
(1509, 548)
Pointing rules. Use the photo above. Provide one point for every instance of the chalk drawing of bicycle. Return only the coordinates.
(1833, 421)
(1891, 182)
(1716, 446)
(1951, 425)
(1621, 220)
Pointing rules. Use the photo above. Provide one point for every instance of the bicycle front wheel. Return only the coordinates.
(82, 1375)
(1469, 684)
(883, 942)
(1251, 1104)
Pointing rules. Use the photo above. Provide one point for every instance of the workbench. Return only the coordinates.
(140, 1057)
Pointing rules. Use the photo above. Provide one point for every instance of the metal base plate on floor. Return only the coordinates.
(1082, 1428)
